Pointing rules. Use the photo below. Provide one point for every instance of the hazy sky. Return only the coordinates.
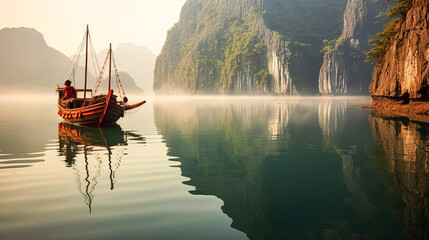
(63, 22)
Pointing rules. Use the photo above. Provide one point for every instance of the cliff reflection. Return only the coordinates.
(404, 148)
(331, 114)
(345, 133)
(285, 169)
(221, 148)
(333, 122)
(87, 149)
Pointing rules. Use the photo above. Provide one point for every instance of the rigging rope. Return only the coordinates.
(76, 62)
(101, 74)
(118, 81)
(94, 58)
(75, 59)
(100, 77)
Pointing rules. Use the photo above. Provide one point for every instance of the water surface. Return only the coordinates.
(214, 168)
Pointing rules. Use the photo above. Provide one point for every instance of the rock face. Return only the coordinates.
(403, 72)
(247, 46)
(344, 70)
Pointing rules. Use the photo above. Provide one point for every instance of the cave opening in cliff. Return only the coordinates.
(405, 98)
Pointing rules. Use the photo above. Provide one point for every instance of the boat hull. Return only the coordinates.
(101, 113)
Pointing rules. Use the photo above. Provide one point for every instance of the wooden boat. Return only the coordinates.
(98, 110)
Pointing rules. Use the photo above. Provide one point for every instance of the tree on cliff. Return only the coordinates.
(383, 40)
(400, 80)
(247, 46)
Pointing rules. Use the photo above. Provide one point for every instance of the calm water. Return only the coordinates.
(214, 168)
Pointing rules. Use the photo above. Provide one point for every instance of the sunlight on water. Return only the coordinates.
(213, 168)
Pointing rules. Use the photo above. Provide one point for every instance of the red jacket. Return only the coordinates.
(69, 92)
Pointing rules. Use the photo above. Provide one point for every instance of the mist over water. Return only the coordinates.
(214, 168)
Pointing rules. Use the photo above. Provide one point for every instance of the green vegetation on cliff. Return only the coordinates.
(207, 49)
(383, 40)
(242, 52)
(306, 22)
(223, 46)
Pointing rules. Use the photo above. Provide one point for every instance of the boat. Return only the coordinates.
(96, 109)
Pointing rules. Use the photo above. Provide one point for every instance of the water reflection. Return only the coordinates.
(344, 133)
(96, 145)
(220, 148)
(331, 114)
(332, 117)
(285, 169)
(404, 150)
(8, 161)
(74, 139)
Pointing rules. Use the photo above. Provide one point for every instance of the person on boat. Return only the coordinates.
(69, 91)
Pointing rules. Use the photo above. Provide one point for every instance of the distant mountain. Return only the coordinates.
(27, 63)
(127, 81)
(137, 61)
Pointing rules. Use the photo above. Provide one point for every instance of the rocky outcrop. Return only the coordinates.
(183, 71)
(416, 110)
(344, 70)
(403, 72)
(245, 46)
(278, 57)
(400, 80)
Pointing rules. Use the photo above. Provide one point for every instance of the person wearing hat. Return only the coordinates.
(69, 91)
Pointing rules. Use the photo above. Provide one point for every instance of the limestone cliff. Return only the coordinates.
(400, 78)
(344, 70)
(247, 46)
(402, 71)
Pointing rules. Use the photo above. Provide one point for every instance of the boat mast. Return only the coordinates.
(110, 63)
(86, 62)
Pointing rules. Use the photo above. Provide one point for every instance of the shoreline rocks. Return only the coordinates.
(400, 80)
(415, 110)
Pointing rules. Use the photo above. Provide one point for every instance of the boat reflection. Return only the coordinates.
(95, 146)
(73, 138)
